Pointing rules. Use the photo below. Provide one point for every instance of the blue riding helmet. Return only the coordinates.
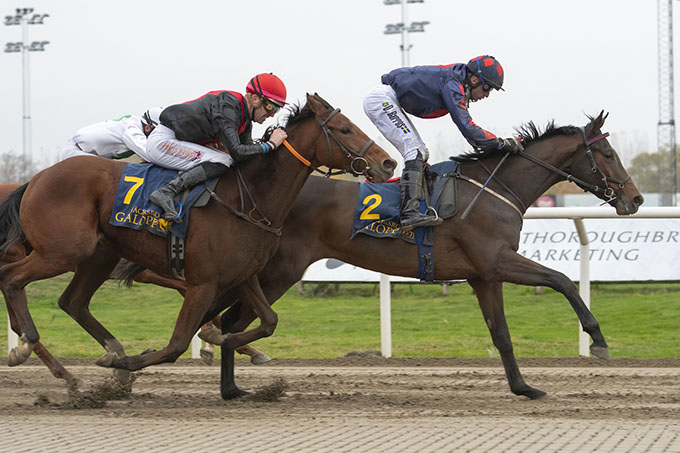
(488, 69)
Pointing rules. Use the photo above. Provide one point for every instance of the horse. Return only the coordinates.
(225, 246)
(481, 249)
(18, 251)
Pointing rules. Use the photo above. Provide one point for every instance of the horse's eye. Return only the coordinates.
(345, 131)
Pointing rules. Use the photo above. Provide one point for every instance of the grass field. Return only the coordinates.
(638, 321)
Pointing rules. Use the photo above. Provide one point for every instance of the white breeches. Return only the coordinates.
(382, 108)
(165, 150)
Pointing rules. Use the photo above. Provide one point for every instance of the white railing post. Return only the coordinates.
(385, 316)
(196, 347)
(12, 338)
(584, 284)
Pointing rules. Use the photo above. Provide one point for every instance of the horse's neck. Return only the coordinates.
(275, 181)
(527, 180)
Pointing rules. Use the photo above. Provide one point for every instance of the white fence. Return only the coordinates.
(648, 247)
(321, 271)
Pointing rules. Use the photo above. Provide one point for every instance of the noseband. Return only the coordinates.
(357, 157)
(606, 191)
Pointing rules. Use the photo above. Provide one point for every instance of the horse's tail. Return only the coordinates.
(10, 226)
(126, 271)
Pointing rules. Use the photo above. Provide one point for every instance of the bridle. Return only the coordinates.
(261, 220)
(357, 157)
(607, 192)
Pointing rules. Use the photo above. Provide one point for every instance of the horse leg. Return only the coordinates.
(211, 334)
(75, 301)
(147, 276)
(520, 270)
(490, 297)
(196, 304)
(207, 349)
(13, 279)
(56, 368)
(250, 291)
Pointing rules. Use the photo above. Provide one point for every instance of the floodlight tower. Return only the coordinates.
(404, 28)
(25, 17)
(666, 125)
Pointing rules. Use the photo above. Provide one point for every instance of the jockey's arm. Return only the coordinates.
(134, 138)
(475, 135)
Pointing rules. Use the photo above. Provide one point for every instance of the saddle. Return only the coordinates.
(377, 211)
(132, 208)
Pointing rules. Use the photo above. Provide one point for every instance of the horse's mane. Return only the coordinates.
(297, 114)
(530, 134)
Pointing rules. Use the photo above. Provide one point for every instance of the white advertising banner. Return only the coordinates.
(620, 250)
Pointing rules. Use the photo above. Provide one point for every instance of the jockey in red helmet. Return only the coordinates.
(222, 119)
(432, 92)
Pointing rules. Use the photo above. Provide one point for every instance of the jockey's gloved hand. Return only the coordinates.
(512, 144)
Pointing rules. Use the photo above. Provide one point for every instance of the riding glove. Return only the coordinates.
(511, 144)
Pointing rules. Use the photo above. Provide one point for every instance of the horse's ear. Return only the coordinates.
(314, 103)
(599, 121)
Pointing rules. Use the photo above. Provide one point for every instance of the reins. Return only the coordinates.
(358, 156)
(263, 222)
(606, 191)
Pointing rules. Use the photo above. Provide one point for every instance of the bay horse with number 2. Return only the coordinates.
(482, 249)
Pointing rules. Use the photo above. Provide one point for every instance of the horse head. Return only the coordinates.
(341, 144)
(600, 166)
(584, 156)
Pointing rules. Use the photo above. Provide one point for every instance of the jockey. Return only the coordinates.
(432, 92)
(219, 118)
(113, 139)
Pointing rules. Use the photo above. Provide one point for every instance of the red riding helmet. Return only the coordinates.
(488, 69)
(268, 86)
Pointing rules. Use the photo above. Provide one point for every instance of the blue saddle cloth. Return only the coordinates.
(132, 208)
(376, 214)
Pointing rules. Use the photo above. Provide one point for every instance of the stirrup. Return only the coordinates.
(175, 218)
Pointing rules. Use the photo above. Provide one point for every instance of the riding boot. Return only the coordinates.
(412, 192)
(164, 197)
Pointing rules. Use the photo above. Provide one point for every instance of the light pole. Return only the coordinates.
(404, 28)
(25, 17)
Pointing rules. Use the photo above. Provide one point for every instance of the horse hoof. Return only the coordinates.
(260, 358)
(535, 394)
(122, 376)
(233, 393)
(600, 352)
(106, 360)
(16, 357)
(211, 335)
(207, 356)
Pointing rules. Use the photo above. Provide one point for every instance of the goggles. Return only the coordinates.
(269, 106)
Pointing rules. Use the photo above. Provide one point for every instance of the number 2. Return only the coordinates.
(376, 199)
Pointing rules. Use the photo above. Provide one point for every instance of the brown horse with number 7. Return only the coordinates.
(223, 251)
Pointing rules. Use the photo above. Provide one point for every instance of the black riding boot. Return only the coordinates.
(412, 192)
(164, 197)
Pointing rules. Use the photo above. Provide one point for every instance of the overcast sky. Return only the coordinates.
(562, 60)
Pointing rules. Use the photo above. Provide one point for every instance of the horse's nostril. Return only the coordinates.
(639, 200)
(389, 164)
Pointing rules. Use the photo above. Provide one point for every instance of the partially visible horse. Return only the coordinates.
(17, 252)
(223, 251)
(481, 249)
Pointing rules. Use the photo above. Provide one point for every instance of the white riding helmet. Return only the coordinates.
(152, 117)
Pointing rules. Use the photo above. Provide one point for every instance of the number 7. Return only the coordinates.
(130, 193)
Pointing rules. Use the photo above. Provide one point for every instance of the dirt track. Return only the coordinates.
(349, 404)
